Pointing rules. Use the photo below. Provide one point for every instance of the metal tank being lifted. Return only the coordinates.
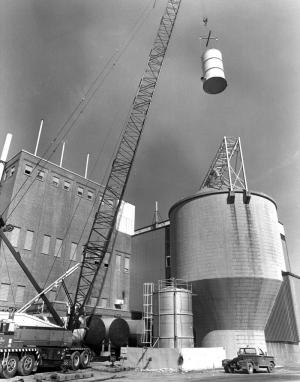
(214, 81)
(231, 252)
(173, 317)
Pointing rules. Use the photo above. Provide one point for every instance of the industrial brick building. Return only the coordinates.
(52, 210)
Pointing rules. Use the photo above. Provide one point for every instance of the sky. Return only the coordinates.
(77, 64)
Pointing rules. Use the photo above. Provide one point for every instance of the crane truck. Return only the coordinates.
(27, 342)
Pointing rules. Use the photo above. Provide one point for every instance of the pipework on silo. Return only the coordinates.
(232, 255)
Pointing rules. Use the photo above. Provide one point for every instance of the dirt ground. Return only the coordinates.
(104, 373)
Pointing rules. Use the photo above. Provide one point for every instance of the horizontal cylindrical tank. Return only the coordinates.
(213, 72)
(173, 318)
(95, 333)
(116, 330)
(136, 328)
(232, 254)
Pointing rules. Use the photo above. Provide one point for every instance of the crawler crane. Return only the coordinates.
(25, 347)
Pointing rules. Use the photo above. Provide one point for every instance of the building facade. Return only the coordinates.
(52, 210)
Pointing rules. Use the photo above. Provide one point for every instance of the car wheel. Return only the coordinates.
(26, 364)
(250, 368)
(270, 368)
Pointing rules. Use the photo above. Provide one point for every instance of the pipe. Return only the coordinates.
(5, 153)
(86, 165)
(38, 139)
(62, 154)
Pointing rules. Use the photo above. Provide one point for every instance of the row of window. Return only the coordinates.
(4, 292)
(28, 243)
(19, 295)
(56, 181)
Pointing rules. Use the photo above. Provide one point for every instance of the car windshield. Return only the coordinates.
(247, 351)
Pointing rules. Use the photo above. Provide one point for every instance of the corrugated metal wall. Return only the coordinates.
(282, 324)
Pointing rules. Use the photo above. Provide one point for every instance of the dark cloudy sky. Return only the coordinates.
(52, 51)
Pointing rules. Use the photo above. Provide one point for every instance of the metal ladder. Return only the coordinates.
(147, 314)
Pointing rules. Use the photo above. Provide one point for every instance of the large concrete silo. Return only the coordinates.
(232, 255)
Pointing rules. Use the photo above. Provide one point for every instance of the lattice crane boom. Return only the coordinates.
(102, 233)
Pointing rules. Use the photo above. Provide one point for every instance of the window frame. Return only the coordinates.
(53, 182)
(80, 193)
(43, 244)
(26, 246)
(68, 188)
(25, 169)
(58, 250)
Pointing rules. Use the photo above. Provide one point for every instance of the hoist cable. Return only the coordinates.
(89, 94)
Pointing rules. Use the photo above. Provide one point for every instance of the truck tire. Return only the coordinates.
(84, 359)
(75, 360)
(26, 364)
(270, 368)
(229, 369)
(250, 368)
(11, 367)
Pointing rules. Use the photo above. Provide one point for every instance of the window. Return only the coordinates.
(28, 240)
(93, 301)
(55, 181)
(14, 236)
(46, 244)
(52, 295)
(67, 185)
(126, 265)
(90, 195)
(4, 290)
(168, 261)
(81, 256)
(73, 252)
(40, 175)
(79, 191)
(118, 262)
(103, 302)
(28, 169)
(20, 293)
(58, 245)
(12, 170)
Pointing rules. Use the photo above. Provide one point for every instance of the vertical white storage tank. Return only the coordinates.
(173, 317)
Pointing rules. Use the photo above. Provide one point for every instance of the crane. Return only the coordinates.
(102, 233)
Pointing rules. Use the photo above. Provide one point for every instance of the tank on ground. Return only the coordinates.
(173, 317)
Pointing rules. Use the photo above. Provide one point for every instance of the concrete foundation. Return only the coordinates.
(234, 339)
(186, 359)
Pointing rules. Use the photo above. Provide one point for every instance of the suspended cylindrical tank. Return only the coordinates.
(173, 317)
(95, 333)
(232, 254)
(135, 332)
(213, 72)
(116, 331)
